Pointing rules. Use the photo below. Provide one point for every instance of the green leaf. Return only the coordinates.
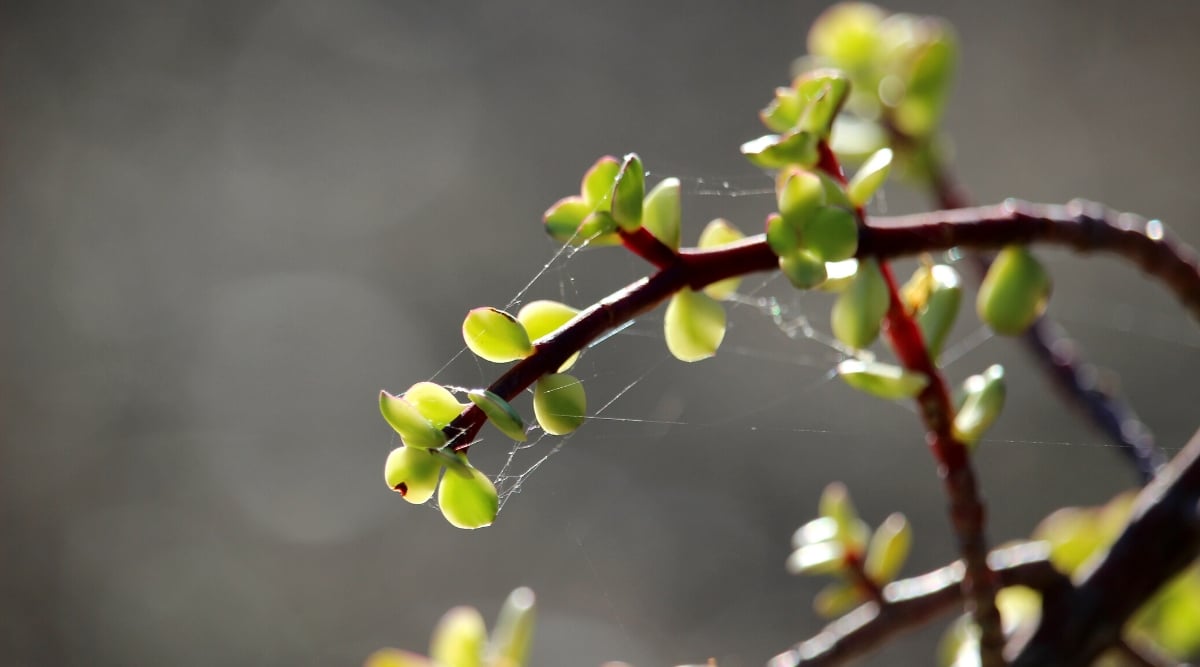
(940, 308)
(799, 194)
(824, 92)
(823, 529)
(467, 497)
(513, 636)
(854, 138)
(435, 402)
(927, 82)
(414, 428)
(818, 558)
(859, 310)
(500, 413)
(782, 236)
(984, 401)
(831, 233)
(495, 335)
(628, 192)
(840, 275)
(835, 503)
(459, 639)
(886, 381)
(559, 403)
(803, 269)
(869, 177)
(542, 318)
(694, 325)
(716, 234)
(837, 598)
(598, 228)
(413, 473)
(888, 549)
(783, 112)
(835, 193)
(1014, 293)
(774, 151)
(564, 217)
(597, 185)
(662, 212)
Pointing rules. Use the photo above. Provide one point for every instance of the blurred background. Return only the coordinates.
(224, 226)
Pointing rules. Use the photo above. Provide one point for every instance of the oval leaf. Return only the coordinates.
(1014, 293)
(628, 192)
(459, 639)
(413, 473)
(694, 325)
(869, 177)
(715, 234)
(831, 233)
(414, 428)
(435, 402)
(467, 497)
(513, 635)
(804, 269)
(662, 212)
(495, 335)
(882, 380)
(859, 309)
(500, 413)
(889, 549)
(559, 403)
(984, 402)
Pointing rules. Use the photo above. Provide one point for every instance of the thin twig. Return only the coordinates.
(1046, 340)
(911, 603)
(1161, 539)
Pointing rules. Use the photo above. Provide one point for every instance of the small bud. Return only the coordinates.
(694, 325)
(467, 497)
(559, 403)
(413, 473)
(803, 269)
(859, 310)
(500, 413)
(984, 401)
(836, 504)
(628, 191)
(495, 335)
(1014, 292)
(435, 402)
(835, 193)
(886, 381)
(662, 212)
(831, 233)
(513, 635)
(889, 549)
(715, 234)
(459, 638)
(414, 428)
(869, 177)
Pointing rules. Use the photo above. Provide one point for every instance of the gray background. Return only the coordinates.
(226, 225)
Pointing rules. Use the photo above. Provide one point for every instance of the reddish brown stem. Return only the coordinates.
(647, 246)
(853, 562)
(1084, 228)
(967, 511)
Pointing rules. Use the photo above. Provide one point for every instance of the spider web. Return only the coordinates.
(767, 297)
